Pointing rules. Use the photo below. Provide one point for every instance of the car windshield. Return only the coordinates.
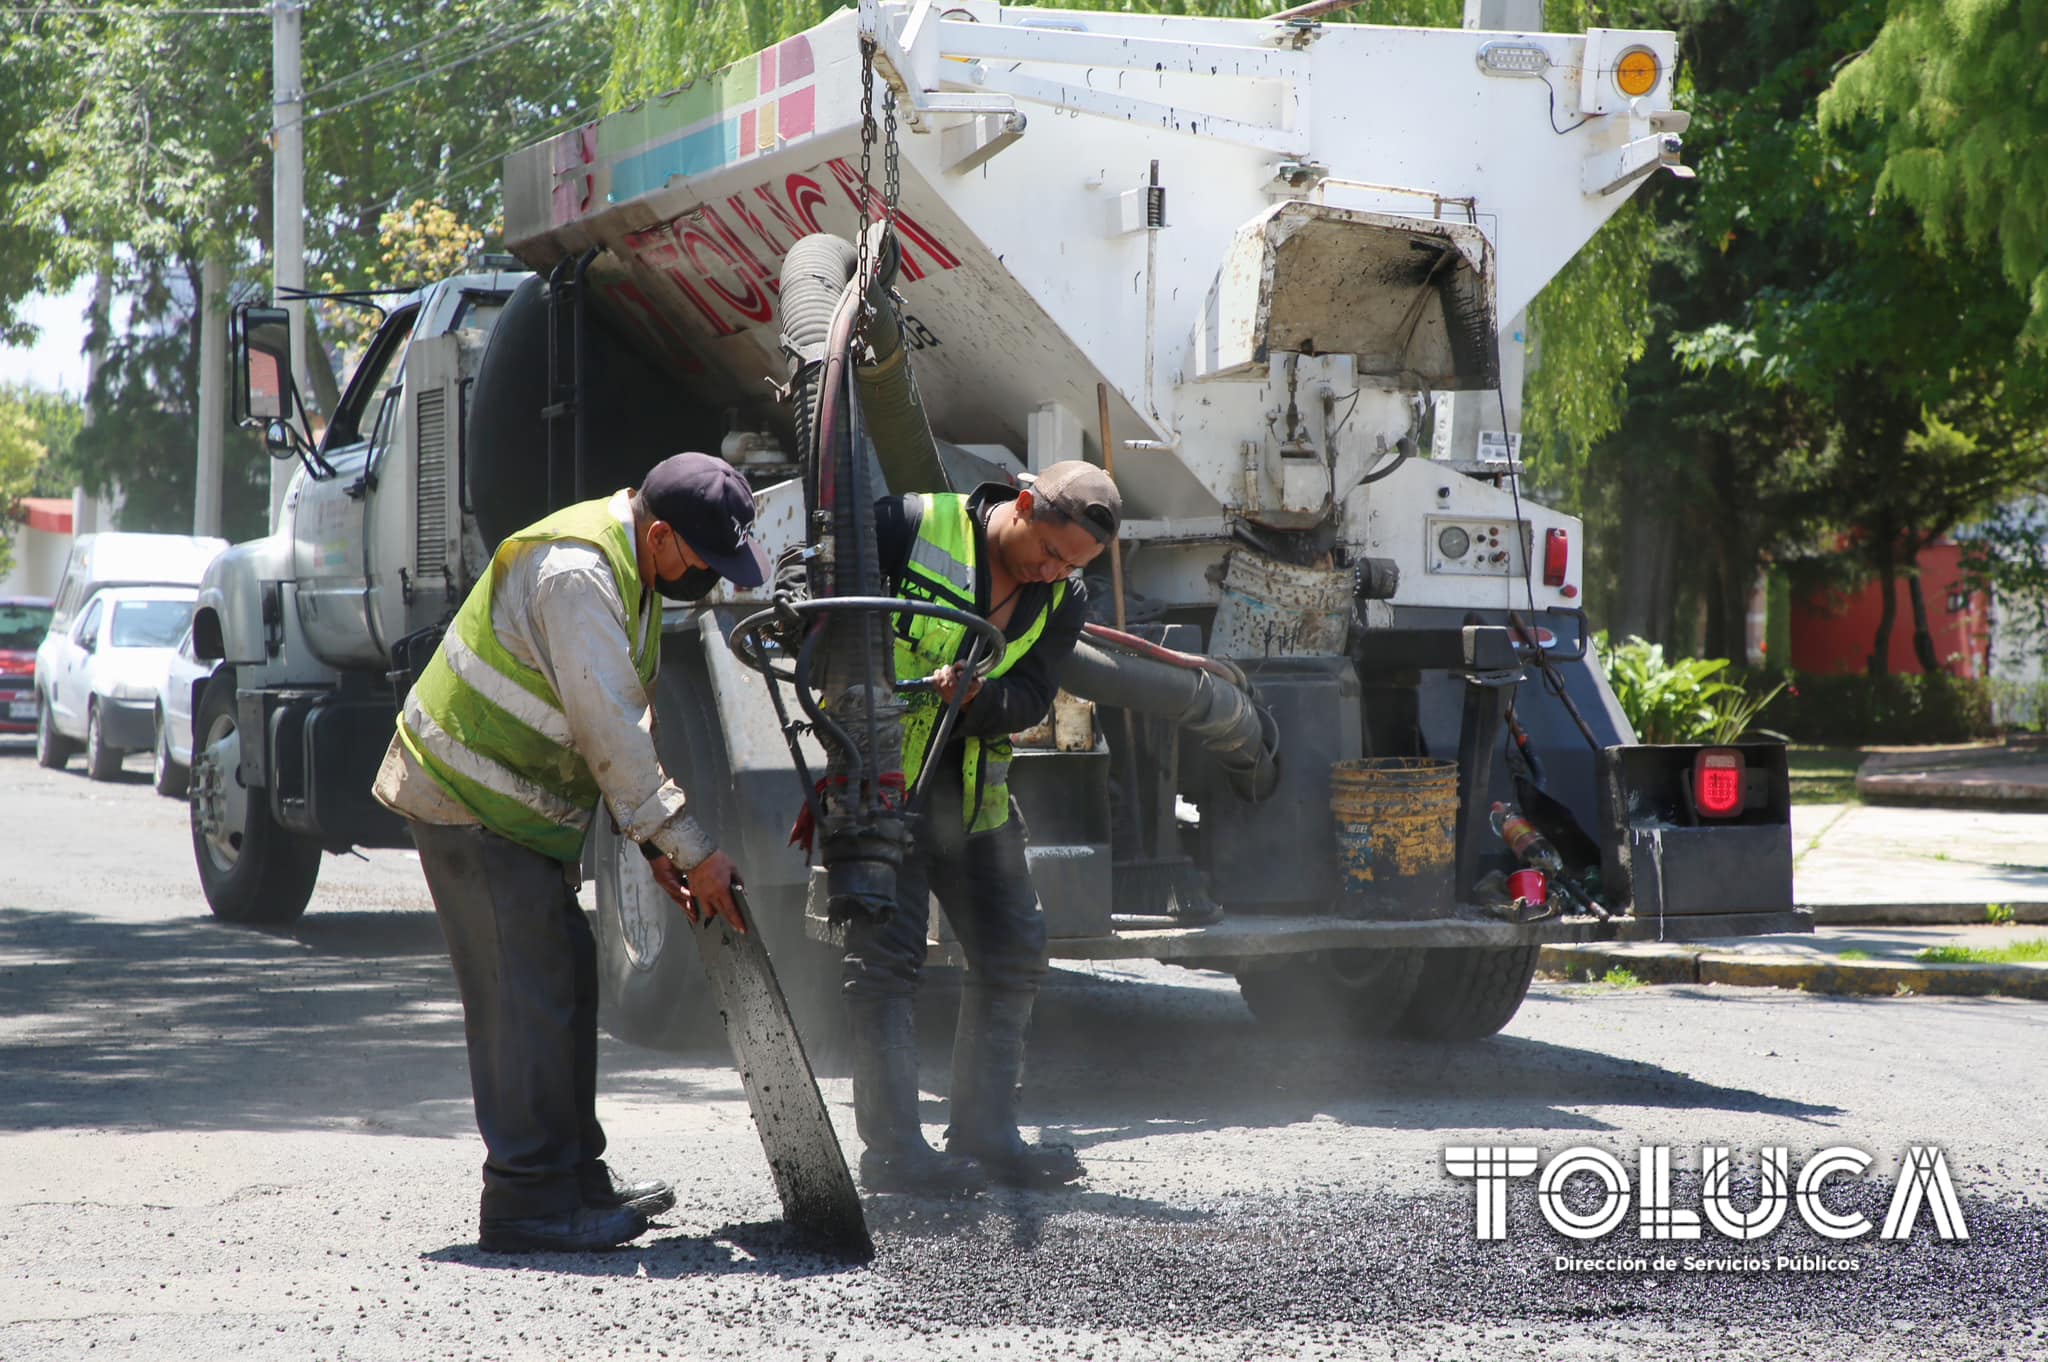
(22, 626)
(149, 624)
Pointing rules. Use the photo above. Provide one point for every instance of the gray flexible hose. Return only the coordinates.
(1226, 720)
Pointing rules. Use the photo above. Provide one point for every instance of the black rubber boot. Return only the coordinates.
(894, 1156)
(988, 1062)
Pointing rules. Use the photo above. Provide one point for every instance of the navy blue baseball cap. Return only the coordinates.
(708, 503)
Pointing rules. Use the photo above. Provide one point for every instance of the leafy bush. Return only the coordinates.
(2020, 704)
(1682, 701)
(1854, 708)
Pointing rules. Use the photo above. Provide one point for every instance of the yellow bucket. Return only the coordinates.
(1397, 824)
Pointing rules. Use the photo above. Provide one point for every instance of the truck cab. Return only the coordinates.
(372, 547)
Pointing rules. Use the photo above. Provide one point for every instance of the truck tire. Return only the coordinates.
(169, 778)
(1469, 992)
(649, 977)
(101, 761)
(254, 872)
(53, 749)
(1364, 994)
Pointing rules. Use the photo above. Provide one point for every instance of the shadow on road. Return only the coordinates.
(764, 1248)
(348, 1020)
(1110, 1060)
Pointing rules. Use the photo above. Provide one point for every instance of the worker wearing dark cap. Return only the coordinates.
(1013, 557)
(536, 708)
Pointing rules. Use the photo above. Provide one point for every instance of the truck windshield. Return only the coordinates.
(22, 626)
(149, 624)
(373, 376)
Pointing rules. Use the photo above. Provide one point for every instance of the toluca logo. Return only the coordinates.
(1923, 1182)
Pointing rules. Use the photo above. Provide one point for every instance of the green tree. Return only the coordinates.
(658, 45)
(56, 419)
(21, 455)
(1908, 361)
(144, 139)
(144, 404)
(1959, 94)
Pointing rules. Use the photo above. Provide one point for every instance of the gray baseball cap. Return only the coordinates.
(1084, 494)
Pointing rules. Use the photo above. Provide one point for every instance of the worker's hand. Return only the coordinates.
(710, 886)
(947, 679)
(671, 881)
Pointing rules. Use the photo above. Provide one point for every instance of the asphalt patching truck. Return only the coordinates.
(1253, 267)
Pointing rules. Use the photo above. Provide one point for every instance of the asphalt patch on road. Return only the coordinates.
(1082, 1262)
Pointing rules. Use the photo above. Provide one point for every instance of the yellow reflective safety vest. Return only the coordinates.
(491, 731)
(941, 570)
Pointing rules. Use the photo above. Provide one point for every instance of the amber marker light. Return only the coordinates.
(1637, 72)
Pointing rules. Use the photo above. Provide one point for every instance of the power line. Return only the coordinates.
(456, 172)
(401, 55)
(519, 36)
(251, 11)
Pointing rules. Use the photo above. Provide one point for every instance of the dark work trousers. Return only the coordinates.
(984, 887)
(526, 966)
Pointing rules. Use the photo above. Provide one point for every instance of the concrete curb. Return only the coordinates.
(1919, 914)
(1936, 791)
(1668, 964)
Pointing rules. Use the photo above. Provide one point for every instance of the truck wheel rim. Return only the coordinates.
(219, 800)
(643, 908)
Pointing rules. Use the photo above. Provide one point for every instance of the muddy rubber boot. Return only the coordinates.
(894, 1156)
(988, 1061)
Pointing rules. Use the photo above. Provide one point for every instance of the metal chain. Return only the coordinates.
(892, 170)
(867, 146)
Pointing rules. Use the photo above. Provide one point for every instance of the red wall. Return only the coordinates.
(1833, 632)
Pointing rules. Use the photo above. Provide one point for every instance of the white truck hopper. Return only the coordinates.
(1236, 225)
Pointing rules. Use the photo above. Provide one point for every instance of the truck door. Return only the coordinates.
(329, 518)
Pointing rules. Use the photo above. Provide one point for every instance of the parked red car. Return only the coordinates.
(23, 622)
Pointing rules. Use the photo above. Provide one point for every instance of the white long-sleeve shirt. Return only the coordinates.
(558, 610)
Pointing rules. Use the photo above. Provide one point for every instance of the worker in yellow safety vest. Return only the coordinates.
(1013, 557)
(536, 708)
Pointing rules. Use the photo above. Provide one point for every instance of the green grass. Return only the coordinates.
(1998, 914)
(1852, 954)
(1824, 775)
(1621, 978)
(2034, 952)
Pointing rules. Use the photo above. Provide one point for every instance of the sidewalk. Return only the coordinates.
(1885, 881)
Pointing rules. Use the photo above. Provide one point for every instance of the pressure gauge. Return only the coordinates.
(1452, 541)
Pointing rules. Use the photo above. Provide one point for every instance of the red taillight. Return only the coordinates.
(1557, 553)
(1717, 782)
(19, 664)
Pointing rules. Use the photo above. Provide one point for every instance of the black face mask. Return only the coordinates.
(693, 585)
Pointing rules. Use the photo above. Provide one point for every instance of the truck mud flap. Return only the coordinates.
(819, 1199)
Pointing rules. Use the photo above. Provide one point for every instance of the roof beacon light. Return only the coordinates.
(1500, 58)
(1717, 782)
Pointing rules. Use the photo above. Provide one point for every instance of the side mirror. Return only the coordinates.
(265, 367)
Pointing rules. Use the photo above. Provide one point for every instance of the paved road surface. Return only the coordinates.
(220, 1143)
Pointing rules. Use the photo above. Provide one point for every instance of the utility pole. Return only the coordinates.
(213, 344)
(288, 202)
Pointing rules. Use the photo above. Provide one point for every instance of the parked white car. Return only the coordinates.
(98, 677)
(174, 718)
